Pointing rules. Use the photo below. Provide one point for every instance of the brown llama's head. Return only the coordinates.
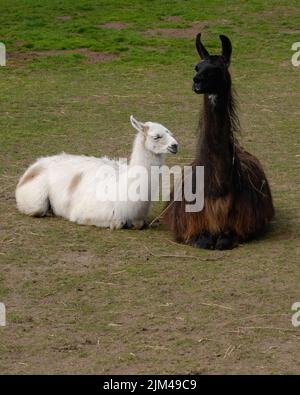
(212, 71)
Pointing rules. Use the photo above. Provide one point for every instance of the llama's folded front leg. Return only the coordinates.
(138, 224)
(226, 241)
(205, 240)
(117, 224)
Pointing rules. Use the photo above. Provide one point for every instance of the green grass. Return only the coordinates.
(87, 300)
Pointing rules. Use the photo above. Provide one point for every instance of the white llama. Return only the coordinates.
(72, 186)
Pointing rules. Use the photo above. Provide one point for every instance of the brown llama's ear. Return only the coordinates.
(226, 48)
(200, 47)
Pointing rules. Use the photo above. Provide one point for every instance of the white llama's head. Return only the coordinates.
(158, 139)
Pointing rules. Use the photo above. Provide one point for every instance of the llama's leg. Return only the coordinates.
(226, 241)
(117, 224)
(205, 240)
(138, 224)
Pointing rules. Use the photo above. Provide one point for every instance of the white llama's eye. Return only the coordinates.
(157, 137)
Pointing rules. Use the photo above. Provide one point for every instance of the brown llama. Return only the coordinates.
(237, 197)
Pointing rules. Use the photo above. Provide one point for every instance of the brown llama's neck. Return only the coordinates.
(216, 145)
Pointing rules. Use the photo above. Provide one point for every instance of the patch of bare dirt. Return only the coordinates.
(188, 32)
(286, 63)
(173, 18)
(244, 32)
(64, 18)
(19, 43)
(80, 261)
(92, 57)
(114, 25)
(289, 31)
(275, 12)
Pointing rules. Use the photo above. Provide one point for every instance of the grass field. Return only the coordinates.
(87, 300)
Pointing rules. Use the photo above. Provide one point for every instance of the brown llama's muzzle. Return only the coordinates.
(197, 87)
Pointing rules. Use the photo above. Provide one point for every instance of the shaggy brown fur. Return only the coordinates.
(245, 211)
(237, 197)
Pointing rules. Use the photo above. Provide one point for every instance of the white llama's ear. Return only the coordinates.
(139, 126)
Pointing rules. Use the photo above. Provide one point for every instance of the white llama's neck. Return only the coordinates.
(142, 157)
